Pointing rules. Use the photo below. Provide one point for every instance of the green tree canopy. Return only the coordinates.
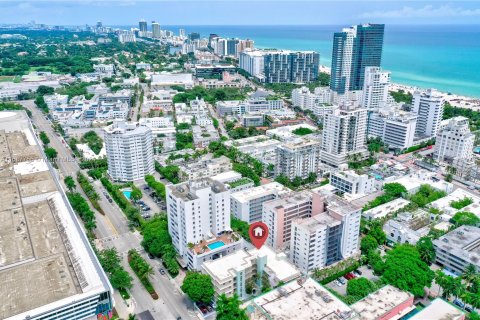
(465, 218)
(198, 287)
(368, 244)
(405, 270)
(229, 308)
(426, 250)
(70, 183)
(360, 287)
(51, 153)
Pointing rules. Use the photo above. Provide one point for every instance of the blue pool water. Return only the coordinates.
(215, 245)
(127, 194)
(476, 149)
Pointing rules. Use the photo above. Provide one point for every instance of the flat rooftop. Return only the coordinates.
(386, 208)
(463, 242)
(439, 309)
(382, 302)
(260, 191)
(297, 300)
(187, 190)
(44, 254)
(444, 203)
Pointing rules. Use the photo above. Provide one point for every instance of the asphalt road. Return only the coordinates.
(113, 231)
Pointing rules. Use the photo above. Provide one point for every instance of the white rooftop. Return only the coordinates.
(382, 302)
(385, 209)
(439, 309)
(444, 203)
(296, 300)
(414, 180)
(260, 191)
(227, 176)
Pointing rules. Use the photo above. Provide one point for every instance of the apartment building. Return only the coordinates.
(297, 158)
(428, 105)
(351, 182)
(204, 168)
(458, 249)
(129, 148)
(199, 221)
(395, 128)
(344, 134)
(455, 141)
(278, 215)
(375, 88)
(247, 205)
(327, 237)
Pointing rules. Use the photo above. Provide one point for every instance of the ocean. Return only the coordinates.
(445, 57)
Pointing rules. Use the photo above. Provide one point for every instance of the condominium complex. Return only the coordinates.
(354, 49)
(129, 149)
(281, 66)
(48, 269)
(344, 134)
(278, 215)
(247, 205)
(455, 141)
(375, 88)
(327, 237)
(199, 215)
(156, 32)
(351, 182)
(306, 100)
(297, 158)
(232, 274)
(458, 249)
(428, 106)
(395, 128)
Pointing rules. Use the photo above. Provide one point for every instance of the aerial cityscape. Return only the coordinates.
(238, 171)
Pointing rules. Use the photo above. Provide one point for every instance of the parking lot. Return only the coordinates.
(366, 273)
(151, 201)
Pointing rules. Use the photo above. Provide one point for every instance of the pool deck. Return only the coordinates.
(202, 247)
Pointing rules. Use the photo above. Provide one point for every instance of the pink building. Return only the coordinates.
(278, 214)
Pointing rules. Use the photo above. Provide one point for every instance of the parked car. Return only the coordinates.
(342, 280)
(459, 303)
(357, 273)
(162, 271)
(151, 256)
(349, 276)
(337, 283)
(146, 188)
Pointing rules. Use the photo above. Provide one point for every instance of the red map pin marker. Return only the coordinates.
(258, 232)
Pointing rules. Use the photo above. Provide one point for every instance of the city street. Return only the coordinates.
(113, 231)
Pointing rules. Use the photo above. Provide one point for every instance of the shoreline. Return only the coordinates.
(456, 100)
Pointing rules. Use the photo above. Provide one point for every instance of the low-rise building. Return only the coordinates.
(301, 299)
(259, 147)
(247, 205)
(408, 227)
(351, 182)
(385, 209)
(414, 180)
(287, 133)
(439, 309)
(202, 136)
(386, 303)
(232, 274)
(106, 70)
(204, 167)
(55, 100)
(458, 249)
(445, 204)
(169, 79)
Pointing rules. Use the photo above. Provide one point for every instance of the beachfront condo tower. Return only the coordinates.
(354, 49)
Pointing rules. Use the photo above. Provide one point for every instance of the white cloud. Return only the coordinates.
(428, 11)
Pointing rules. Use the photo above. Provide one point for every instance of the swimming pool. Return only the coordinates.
(215, 245)
(127, 193)
(476, 149)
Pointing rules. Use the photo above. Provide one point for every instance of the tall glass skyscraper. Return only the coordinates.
(354, 49)
(142, 25)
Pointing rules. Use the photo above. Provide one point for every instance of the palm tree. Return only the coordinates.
(470, 273)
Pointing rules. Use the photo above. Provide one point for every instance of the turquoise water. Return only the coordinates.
(127, 194)
(476, 149)
(444, 57)
(215, 245)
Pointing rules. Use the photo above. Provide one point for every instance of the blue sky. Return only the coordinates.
(243, 12)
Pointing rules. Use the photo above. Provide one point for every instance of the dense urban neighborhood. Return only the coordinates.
(135, 160)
